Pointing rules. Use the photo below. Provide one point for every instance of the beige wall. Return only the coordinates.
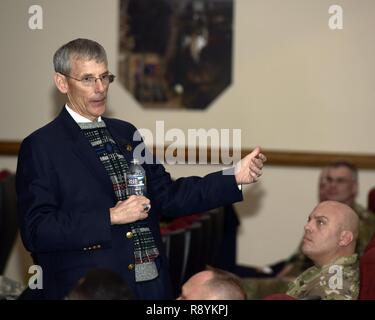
(297, 86)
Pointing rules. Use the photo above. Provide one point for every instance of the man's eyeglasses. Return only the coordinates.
(90, 81)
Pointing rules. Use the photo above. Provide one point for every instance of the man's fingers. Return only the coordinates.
(254, 175)
(135, 200)
(255, 152)
(262, 157)
(249, 169)
(258, 163)
(143, 215)
(255, 169)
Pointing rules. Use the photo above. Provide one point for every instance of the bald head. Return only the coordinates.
(224, 285)
(331, 232)
(213, 284)
(345, 216)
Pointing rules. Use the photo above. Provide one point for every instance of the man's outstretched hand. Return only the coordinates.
(249, 169)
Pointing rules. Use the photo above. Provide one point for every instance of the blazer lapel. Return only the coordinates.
(85, 152)
(125, 143)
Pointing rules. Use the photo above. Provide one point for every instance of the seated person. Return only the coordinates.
(101, 284)
(213, 284)
(338, 182)
(329, 241)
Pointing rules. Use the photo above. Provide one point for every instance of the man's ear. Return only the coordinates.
(61, 83)
(346, 238)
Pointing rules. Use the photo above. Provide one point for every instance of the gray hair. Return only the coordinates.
(77, 49)
(350, 166)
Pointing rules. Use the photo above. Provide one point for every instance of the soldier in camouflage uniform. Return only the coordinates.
(338, 181)
(330, 241)
(335, 281)
(298, 262)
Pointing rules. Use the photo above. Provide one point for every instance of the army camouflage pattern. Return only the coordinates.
(9, 289)
(259, 288)
(366, 227)
(336, 281)
(300, 262)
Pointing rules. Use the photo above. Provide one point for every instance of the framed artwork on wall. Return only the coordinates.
(175, 54)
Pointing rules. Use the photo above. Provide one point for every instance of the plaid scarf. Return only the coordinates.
(145, 250)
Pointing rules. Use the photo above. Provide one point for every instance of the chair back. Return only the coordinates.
(367, 273)
(371, 200)
(8, 218)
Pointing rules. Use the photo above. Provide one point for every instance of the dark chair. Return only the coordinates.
(279, 296)
(174, 243)
(8, 218)
(206, 243)
(217, 223)
(367, 273)
(195, 261)
(371, 200)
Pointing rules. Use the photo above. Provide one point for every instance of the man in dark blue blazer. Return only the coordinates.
(74, 212)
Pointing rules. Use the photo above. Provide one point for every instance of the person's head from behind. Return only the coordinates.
(101, 284)
(82, 74)
(213, 284)
(330, 233)
(341, 182)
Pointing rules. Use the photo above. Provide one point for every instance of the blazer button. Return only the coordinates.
(131, 267)
(129, 235)
(129, 147)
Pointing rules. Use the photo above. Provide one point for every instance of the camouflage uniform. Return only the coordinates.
(259, 288)
(9, 289)
(366, 227)
(300, 262)
(335, 281)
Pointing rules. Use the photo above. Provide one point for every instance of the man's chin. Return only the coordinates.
(98, 104)
(306, 250)
(98, 109)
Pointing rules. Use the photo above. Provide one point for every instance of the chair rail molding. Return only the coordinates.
(274, 157)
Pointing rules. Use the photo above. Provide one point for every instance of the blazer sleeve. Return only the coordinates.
(190, 194)
(44, 226)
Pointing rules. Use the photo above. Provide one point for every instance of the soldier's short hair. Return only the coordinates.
(350, 166)
(225, 285)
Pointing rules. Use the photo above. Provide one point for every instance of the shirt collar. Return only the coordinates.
(77, 117)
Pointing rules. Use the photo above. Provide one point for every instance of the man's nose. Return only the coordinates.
(99, 88)
(307, 227)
